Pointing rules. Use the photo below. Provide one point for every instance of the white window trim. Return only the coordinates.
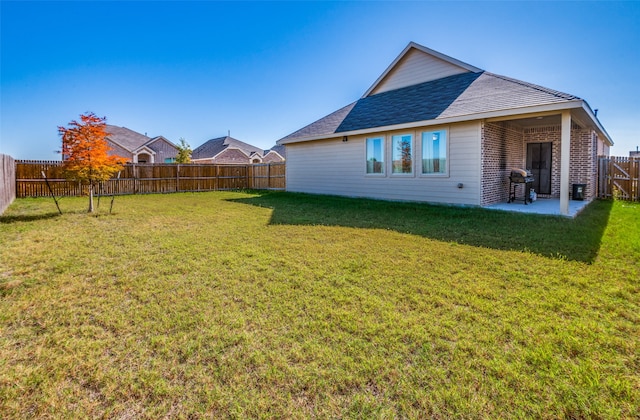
(384, 157)
(437, 174)
(413, 156)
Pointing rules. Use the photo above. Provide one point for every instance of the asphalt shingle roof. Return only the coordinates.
(492, 92)
(214, 146)
(424, 101)
(325, 125)
(128, 139)
(454, 96)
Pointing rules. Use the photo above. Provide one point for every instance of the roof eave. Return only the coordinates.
(119, 144)
(144, 148)
(596, 122)
(273, 151)
(576, 103)
(153, 140)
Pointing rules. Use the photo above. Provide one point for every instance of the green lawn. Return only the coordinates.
(278, 305)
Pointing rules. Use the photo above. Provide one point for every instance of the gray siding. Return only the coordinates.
(338, 168)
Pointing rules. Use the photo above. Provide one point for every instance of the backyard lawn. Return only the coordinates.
(280, 305)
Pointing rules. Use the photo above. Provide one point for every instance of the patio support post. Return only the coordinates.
(565, 152)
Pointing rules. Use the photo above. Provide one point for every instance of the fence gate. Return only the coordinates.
(618, 177)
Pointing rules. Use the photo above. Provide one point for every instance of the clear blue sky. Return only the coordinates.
(265, 69)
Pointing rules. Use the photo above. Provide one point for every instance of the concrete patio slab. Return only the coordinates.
(550, 206)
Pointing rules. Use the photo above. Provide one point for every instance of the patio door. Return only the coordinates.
(539, 163)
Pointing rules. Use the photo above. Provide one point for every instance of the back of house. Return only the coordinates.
(435, 129)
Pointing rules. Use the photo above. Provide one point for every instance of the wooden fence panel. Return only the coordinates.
(619, 177)
(7, 181)
(150, 179)
(267, 176)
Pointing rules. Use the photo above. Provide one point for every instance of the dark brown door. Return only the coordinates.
(539, 163)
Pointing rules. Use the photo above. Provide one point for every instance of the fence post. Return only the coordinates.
(136, 183)
(8, 181)
(178, 178)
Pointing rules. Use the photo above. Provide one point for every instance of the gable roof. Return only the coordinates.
(418, 64)
(161, 138)
(461, 96)
(213, 147)
(125, 137)
(281, 150)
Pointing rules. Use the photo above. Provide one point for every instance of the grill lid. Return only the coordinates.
(521, 173)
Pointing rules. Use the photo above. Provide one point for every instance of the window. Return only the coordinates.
(434, 152)
(402, 154)
(375, 155)
(169, 160)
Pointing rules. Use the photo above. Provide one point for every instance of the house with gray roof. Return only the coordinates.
(229, 151)
(138, 148)
(435, 129)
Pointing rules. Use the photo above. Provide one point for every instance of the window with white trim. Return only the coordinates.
(375, 155)
(434, 152)
(402, 154)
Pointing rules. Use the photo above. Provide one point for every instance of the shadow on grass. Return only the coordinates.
(28, 217)
(550, 236)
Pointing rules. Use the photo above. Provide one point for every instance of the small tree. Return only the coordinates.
(86, 153)
(184, 152)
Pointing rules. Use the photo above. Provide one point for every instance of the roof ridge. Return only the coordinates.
(556, 93)
(249, 146)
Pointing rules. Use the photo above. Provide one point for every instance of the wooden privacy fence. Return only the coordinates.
(151, 178)
(7, 181)
(618, 178)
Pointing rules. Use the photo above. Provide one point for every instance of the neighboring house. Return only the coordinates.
(634, 153)
(435, 129)
(227, 150)
(276, 154)
(139, 148)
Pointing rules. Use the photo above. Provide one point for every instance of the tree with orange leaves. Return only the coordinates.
(86, 153)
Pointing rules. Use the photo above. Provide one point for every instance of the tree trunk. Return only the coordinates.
(90, 197)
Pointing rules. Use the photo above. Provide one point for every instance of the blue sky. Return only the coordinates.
(265, 69)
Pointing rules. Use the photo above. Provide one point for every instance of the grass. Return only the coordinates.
(278, 305)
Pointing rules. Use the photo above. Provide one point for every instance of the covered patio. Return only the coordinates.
(559, 147)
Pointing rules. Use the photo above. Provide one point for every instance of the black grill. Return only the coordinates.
(523, 178)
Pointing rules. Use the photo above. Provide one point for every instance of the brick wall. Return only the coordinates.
(232, 156)
(502, 149)
(272, 157)
(582, 165)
